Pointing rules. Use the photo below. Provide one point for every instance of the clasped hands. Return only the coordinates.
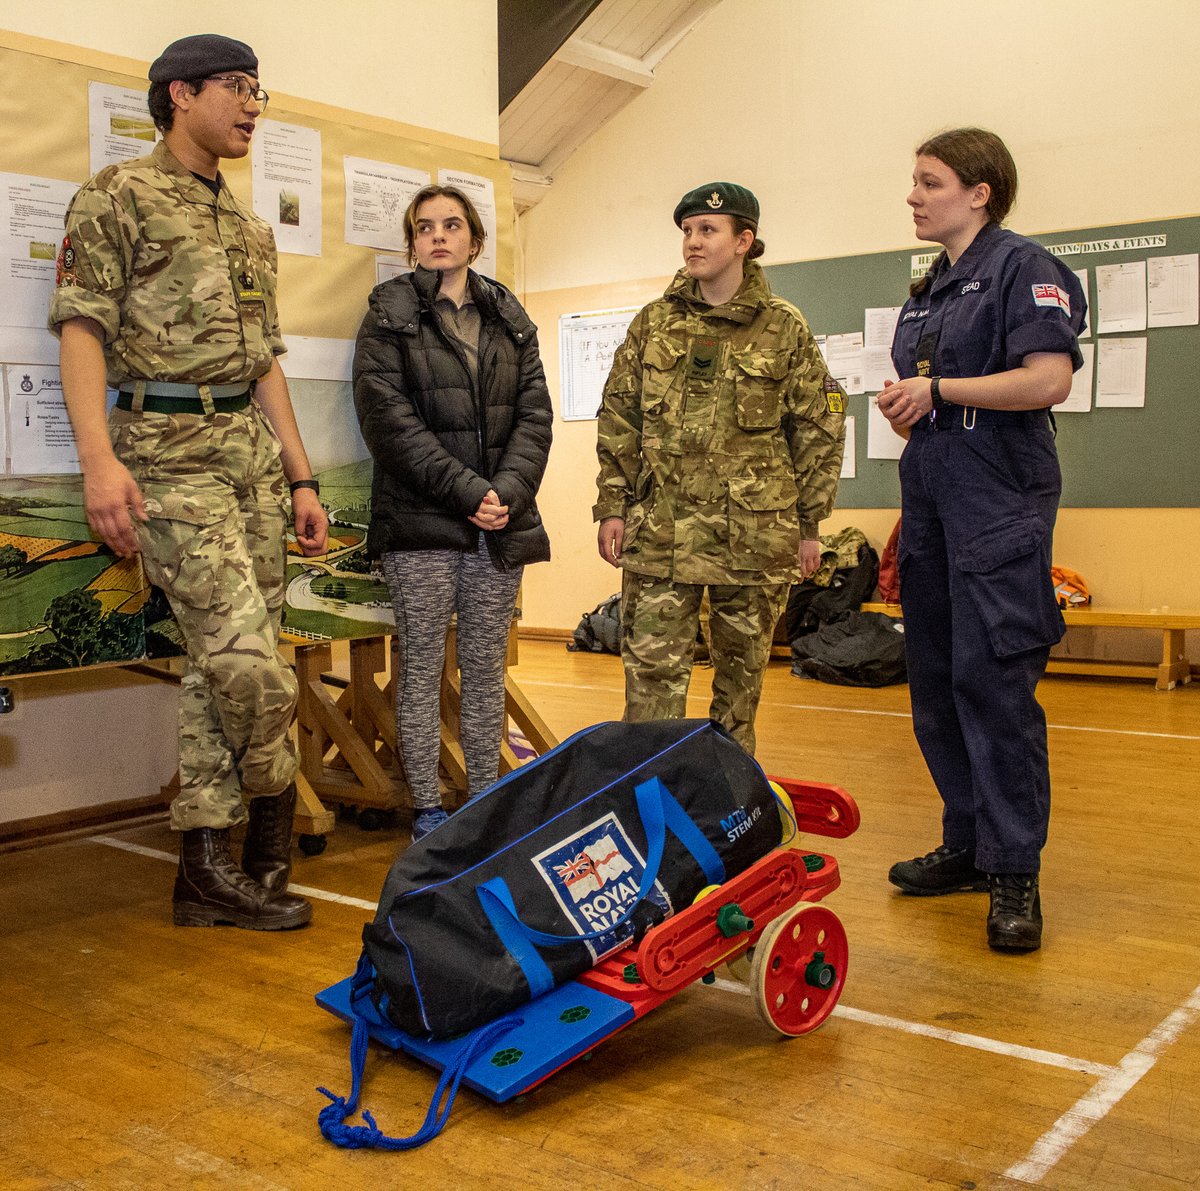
(906, 402)
(491, 514)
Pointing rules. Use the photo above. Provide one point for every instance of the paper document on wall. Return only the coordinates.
(40, 439)
(32, 210)
(586, 345)
(879, 323)
(286, 174)
(119, 125)
(377, 195)
(1082, 274)
(1121, 373)
(309, 357)
(877, 368)
(849, 453)
(882, 441)
(844, 359)
(1080, 399)
(28, 345)
(1173, 290)
(1121, 297)
(387, 267)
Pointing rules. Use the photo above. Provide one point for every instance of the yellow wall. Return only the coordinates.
(376, 56)
(817, 108)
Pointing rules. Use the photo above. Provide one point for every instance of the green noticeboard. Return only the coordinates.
(1111, 457)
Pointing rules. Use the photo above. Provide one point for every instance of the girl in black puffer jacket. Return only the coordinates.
(453, 405)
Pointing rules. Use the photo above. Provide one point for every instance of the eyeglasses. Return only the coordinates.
(242, 88)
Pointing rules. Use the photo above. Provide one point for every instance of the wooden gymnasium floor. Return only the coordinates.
(134, 1054)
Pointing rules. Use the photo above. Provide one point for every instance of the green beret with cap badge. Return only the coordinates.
(718, 198)
(204, 54)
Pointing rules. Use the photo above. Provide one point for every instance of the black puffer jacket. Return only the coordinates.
(438, 445)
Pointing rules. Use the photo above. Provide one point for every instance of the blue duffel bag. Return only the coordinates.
(559, 864)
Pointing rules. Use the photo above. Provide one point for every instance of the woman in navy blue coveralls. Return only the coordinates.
(984, 347)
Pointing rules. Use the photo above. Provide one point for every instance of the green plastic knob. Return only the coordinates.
(731, 921)
(818, 973)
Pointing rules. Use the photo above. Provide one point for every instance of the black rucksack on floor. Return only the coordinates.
(810, 605)
(856, 649)
(599, 631)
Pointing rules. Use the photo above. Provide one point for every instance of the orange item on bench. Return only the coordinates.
(1070, 587)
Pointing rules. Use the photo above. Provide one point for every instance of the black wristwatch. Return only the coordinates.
(313, 484)
(937, 403)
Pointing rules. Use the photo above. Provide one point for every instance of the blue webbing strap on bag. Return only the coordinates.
(659, 812)
(332, 1117)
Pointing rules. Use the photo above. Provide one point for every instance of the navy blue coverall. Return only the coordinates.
(980, 493)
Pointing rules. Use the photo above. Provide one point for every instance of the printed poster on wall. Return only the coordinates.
(377, 195)
(286, 176)
(32, 210)
(40, 439)
(586, 344)
(119, 125)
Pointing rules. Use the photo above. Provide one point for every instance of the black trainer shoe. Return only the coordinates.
(1015, 917)
(944, 870)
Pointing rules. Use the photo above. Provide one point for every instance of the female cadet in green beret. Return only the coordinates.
(720, 446)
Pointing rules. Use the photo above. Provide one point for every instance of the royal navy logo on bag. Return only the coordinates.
(595, 875)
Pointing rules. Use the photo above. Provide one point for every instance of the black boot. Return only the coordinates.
(211, 889)
(267, 850)
(944, 870)
(1015, 917)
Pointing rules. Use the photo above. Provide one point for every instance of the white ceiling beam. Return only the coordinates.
(685, 23)
(601, 60)
(527, 172)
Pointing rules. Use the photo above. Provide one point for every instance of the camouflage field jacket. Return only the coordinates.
(720, 437)
(181, 281)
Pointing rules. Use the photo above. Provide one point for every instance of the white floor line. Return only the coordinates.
(1047, 1058)
(304, 890)
(1049, 1149)
(900, 715)
(1113, 1082)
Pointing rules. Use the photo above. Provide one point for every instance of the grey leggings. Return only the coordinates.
(427, 586)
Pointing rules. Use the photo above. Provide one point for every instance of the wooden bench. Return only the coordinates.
(1174, 669)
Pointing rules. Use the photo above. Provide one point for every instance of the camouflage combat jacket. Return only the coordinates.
(720, 437)
(181, 281)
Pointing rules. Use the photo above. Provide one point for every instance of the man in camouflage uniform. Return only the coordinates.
(720, 446)
(166, 288)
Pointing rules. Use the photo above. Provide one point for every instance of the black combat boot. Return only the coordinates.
(944, 870)
(211, 889)
(1015, 917)
(267, 850)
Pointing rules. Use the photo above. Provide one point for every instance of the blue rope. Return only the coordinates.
(369, 1136)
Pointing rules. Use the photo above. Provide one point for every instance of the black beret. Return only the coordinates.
(197, 57)
(718, 198)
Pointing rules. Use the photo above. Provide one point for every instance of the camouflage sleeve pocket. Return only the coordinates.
(764, 531)
(758, 380)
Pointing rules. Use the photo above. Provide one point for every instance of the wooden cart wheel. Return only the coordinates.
(798, 970)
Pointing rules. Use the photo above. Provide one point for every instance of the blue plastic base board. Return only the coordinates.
(556, 1029)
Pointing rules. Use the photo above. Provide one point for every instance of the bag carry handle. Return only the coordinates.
(659, 811)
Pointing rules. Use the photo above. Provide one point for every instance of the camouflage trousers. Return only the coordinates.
(659, 622)
(215, 543)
